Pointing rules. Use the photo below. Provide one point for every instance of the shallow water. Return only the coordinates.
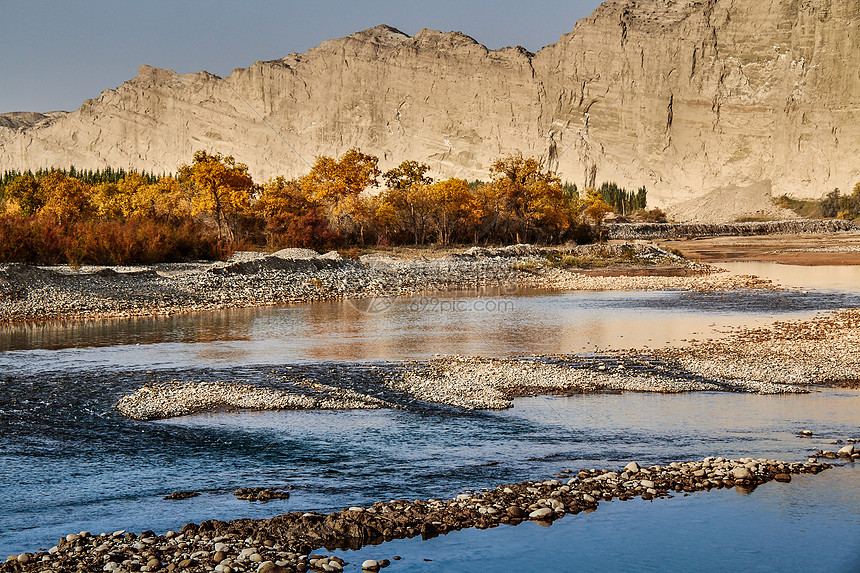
(470, 323)
(69, 462)
(822, 277)
(810, 524)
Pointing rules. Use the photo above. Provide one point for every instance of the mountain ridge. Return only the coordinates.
(688, 98)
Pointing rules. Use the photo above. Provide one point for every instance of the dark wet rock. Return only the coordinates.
(178, 495)
(261, 493)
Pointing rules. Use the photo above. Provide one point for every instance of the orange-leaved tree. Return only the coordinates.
(336, 185)
(221, 187)
(533, 202)
(24, 195)
(409, 209)
(450, 201)
(292, 218)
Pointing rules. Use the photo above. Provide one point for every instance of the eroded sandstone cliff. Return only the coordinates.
(695, 99)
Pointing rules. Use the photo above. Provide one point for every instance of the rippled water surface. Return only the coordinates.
(69, 462)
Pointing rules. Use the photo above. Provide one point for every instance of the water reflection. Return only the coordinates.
(824, 277)
(409, 328)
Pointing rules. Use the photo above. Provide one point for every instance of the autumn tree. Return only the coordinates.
(595, 209)
(221, 187)
(407, 174)
(66, 198)
(849, 205)
(533, 200)
(336, 185)
(485, 212)
(165, 200)
(409, 208)
(449, 207)
(23, 194)
(292, 218)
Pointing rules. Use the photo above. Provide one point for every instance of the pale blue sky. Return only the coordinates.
(56, 53)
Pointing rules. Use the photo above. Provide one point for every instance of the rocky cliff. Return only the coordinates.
(698, 100)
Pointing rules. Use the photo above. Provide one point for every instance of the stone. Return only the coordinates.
(646, 483)
(742, 472)
(782, 477)
(270, 567)
(846, 450)
(632, 468)
(542, 513)
(370, 565)
(516, 512)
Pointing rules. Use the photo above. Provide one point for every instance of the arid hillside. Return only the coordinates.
(713, 105)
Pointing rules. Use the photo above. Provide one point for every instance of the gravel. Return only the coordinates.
(284, 543)
(299, 275)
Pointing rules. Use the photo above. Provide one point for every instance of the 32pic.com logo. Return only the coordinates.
(370, 305)
(442, 305)
(433, 305)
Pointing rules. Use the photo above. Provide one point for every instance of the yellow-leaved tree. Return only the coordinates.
(220, 187)
(165, 200)
(450, 201)
(533, 202)
(595, 208)
(24, 195)
(66, 198)
(407, 174)
(336, 185)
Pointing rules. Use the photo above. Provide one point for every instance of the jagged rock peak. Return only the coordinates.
(380, 34)
(25, 119)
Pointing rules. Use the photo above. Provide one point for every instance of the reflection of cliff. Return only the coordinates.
(692, 97)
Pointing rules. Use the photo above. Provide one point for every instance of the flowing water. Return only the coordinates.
(69, 462)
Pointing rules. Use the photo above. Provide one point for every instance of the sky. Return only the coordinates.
(54, 54)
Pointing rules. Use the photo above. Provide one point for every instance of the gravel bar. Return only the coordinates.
(284, 543)
(299, 275)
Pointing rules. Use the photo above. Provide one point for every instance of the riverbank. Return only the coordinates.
(821, 350)
(283, 544)
(29, 293)
(814, 249)
(786, 357)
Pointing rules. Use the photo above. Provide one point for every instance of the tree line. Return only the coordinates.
(833, 205)
(212, 206)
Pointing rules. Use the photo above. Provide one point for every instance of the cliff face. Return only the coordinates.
(691, 98)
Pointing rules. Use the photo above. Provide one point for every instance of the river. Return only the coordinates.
(69, 462)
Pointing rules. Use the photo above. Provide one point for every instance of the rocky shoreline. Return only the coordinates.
(650, 231)
(787, 357)
(463, 382)
(283, 544)
(821, 350)
(29, 293)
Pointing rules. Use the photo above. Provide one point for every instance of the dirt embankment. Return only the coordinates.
(805, 249)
